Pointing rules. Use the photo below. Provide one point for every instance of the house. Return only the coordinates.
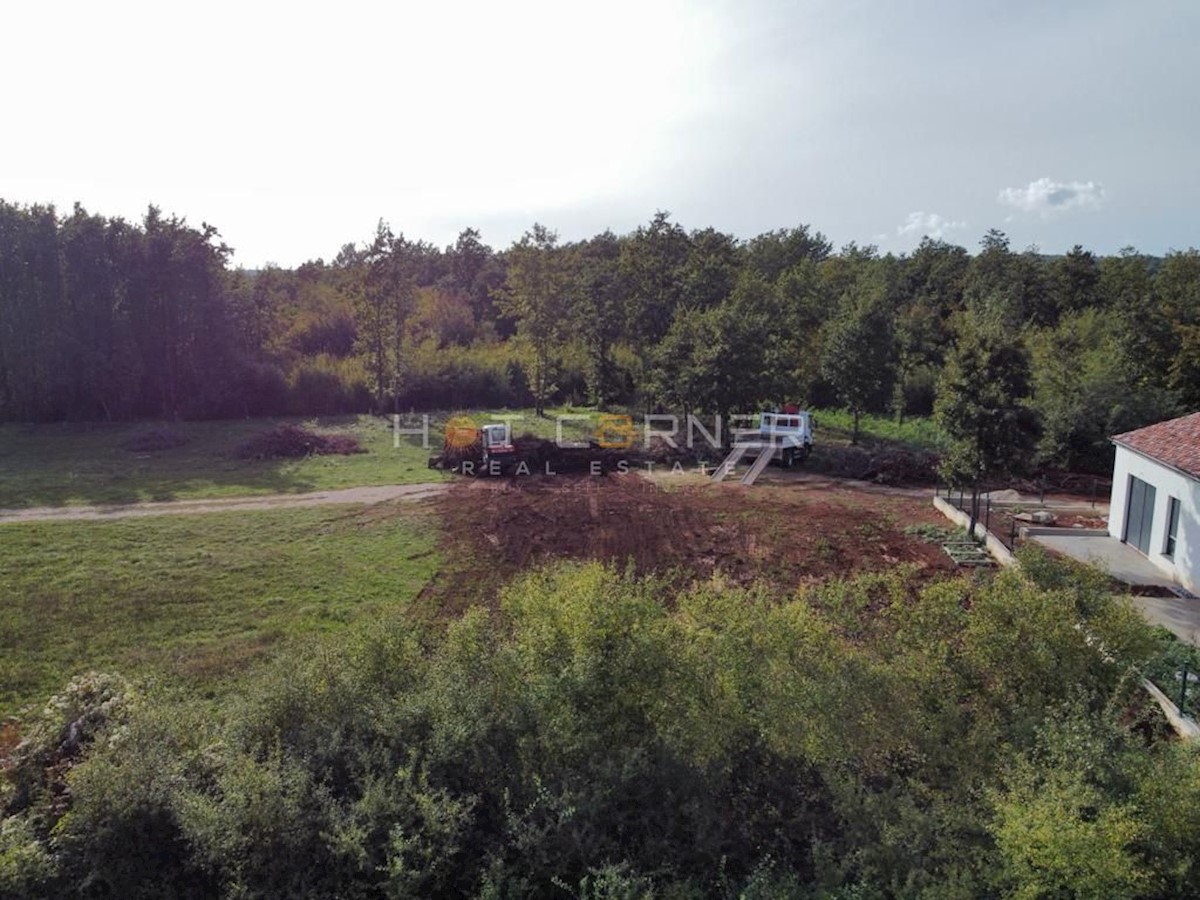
(1156, 496)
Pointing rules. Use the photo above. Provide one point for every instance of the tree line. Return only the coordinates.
(105, 319)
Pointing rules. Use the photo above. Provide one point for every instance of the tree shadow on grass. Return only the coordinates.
(71, 464)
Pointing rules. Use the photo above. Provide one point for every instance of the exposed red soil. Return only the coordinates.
(9, 738)
(1006, 525)
(784, 534)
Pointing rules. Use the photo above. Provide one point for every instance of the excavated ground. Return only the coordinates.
(782, 533)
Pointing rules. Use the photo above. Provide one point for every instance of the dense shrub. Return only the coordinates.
(479, 376)
(331, 332)
(863, 739)
(58, 736)
(262, 390)
(327, 385)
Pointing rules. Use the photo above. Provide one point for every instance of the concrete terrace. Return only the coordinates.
(1181, 616)
(1120, 560)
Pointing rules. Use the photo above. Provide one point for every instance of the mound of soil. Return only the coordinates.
(154, 440)
(452, 457)
(495, 528)
(294, 442)
(1097, 522)
(539, 455)
(882, 465)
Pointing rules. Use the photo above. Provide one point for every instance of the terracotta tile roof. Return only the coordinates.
(1175, 442)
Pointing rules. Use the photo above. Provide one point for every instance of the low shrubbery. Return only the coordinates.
(937, 534)
(863, 739)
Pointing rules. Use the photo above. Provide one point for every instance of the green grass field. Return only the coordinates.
(196, 598)
(54, 465)
(917, 432)
(833, 425)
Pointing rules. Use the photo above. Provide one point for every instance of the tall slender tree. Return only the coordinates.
(981, 406)
(859, 355)
(534, 295)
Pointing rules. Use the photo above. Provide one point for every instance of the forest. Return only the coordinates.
(105, 319)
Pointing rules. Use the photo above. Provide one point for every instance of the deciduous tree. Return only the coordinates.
(534, 294)
(981, 406)
(859, 353)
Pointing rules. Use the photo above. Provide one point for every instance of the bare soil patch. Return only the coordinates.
(495, 528)
(349, 497)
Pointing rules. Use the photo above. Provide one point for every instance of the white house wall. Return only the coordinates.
(1167, 483)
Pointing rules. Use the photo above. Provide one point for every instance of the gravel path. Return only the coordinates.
(349, 496)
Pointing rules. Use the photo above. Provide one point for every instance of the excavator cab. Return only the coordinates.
(497, 442)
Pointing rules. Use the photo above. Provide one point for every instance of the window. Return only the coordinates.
(1172, 526)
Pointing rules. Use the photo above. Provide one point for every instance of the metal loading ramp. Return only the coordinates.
(727, 465)
(762, 457)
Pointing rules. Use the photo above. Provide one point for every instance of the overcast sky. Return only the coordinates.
(293, 128)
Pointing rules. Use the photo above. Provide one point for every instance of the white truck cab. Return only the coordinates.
(789, 433)
(495, 436)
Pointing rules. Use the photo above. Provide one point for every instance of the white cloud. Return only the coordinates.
(1049, 197)
(920, 224)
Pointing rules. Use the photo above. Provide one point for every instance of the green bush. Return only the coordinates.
(455, 377)
(602, 736)
(327, 385)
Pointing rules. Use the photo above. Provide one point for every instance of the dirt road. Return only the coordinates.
(349, 496)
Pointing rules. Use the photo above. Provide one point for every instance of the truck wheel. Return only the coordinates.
(789, 458)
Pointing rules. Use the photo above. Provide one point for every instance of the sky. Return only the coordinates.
(293, 128)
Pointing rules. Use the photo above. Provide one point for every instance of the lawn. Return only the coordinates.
(916, 432)
(196, 599)
(53, 465)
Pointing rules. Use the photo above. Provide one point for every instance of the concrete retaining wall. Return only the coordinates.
(1184, 726)
(1036, 531)
(998, 551)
